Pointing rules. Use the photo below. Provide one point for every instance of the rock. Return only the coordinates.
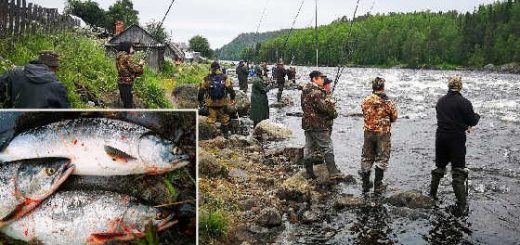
(269, 217)
(349, 201)
(309, 217)
(268, 130)
(185, 96)
(286, 101)
(210, 167)
(410, 199)
(293, 154)
(513, 67)
(243, 103)
(206, 131)
(250, 203)
(295, 188)
(489, 67)
(322, 173)
(294, 114)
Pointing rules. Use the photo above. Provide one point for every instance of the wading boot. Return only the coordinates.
(309, 170)
(334, 172)
(366, 185)
(437, 175)
(378, 181)
(461, 192)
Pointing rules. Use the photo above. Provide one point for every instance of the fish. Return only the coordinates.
(88, 217)
(99, 146)
(24, 184)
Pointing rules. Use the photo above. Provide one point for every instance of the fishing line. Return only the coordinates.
(292, 27)
(260, 23)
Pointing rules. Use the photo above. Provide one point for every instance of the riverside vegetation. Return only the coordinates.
(90, 75)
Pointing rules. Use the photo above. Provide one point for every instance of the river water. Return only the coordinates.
(493, 157)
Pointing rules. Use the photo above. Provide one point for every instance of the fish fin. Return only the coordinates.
(118, 155)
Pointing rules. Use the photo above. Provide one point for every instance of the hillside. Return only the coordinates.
(232, 50)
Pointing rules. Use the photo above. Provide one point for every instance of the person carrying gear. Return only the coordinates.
(127, 72)
(455, 117)
(279, 74)
(317, 109)
(217, 92)
(379, 113)
(35, 85)
(242, 73)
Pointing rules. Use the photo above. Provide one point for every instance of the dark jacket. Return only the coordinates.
(34, 86)
(318, 111)
(259, 102)
(242, 72)
(455, 113)
(279, 74)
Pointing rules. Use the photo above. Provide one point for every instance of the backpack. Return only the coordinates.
(217, 87)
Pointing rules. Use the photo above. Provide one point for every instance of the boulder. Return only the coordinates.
(489, 67)
(295, 188)
(185, 96)
(410, 199)
(210, 167)
(243, 103)
(349, 201)
(206, 131)
(268, 130)
(293, 154)
(269, 217)
(513, 67)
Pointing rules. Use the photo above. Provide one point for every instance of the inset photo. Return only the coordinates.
(98, 177)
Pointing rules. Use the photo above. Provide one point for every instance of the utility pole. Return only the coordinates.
(316, 32)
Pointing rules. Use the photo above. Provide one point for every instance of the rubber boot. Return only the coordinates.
(460, 189)
(334, 172)
(437, 175)
(378, 181)
(367, 184)
(309, 169)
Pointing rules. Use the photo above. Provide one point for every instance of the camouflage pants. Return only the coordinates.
(218, 112)
(376, 149)
(317, 144)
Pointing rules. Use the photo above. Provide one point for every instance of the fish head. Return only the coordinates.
(161, 155)
(140, 215)
(39, 178)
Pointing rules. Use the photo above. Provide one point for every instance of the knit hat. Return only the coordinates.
(49, 58)
(455, 83)
(378, 83)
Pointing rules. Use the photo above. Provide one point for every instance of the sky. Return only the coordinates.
(220, 21)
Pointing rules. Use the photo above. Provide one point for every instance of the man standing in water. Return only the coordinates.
(279, 74)
(379, 113)
(318, 113)
(242, 73)
(455, 117)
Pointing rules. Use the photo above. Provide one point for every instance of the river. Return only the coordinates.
(493, 157)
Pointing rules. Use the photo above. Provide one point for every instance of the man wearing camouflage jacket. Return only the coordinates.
(379, 113)
(318, 113)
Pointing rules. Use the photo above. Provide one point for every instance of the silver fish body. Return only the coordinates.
(26, 183)
(87, 217)
(98, 146)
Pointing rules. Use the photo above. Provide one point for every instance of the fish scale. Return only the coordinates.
(98, 146)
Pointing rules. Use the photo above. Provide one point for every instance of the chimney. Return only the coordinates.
(120, 27)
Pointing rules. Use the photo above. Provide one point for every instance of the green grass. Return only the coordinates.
(213, 223)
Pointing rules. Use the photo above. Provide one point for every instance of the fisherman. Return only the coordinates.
(127, 72)
(279, 74)
(34, 86)
(379, 113)
(259, 101)
(216, 91)
(242, 73)
(291, 75)
(318, 113)
(265, 71)
(252, 70)
(455, 117)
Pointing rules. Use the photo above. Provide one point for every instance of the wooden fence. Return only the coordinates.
(18, 17)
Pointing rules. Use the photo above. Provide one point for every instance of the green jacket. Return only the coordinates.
(259, 102)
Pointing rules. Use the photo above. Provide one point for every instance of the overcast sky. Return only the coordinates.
(222, 20)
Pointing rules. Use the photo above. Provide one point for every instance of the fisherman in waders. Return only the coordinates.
(455, 117)
(34, 86)
(279, 74)
(242, 73)
(291, 75)
(379, 113)
(217, 92)
(319, 110)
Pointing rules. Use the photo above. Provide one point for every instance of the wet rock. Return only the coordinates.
(286, 101)
(293, 154)
(349, 201)
(295, 188)
(294, 114)
(489, 67)
(268, 130)
(513, 67)
(411, 214)
(210, 167)
(411, 199)
(185, 96)
(309, 217)
(250, 203)
(243, 103)
(206, 131)
(269, 217)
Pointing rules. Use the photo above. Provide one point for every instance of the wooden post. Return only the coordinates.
(17, 20)
(39, 18)
(23, 12)
(10, 16)
(30, 26)
(3, 17)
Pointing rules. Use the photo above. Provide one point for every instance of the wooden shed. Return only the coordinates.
(143, 41)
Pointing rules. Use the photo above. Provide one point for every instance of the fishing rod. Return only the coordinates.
(255, 40)
(164, 18)
(292, 27)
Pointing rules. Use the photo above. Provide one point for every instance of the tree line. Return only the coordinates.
(489, 34)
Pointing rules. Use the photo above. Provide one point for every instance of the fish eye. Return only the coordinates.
(176, 150)
(50, 171)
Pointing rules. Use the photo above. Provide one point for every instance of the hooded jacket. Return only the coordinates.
(34, 86)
